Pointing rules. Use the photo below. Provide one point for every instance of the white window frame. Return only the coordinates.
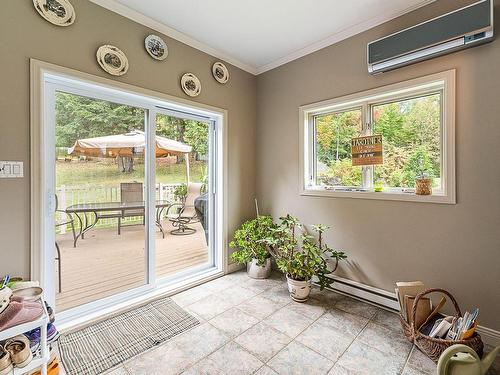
(443, 82)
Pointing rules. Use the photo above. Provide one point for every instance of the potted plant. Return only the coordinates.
(423, 181)
(180, 192)
(251, 250)
(301, 256)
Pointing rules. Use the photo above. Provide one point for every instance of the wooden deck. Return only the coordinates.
(105, 263)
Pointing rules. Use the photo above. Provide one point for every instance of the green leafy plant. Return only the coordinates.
(248, 240)
(180, 191)
(299, 254)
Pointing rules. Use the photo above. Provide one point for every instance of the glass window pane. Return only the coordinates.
(99, 219)
(411, 132)
(183, 243)
(333, 134)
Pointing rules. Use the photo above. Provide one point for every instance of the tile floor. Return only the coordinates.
(252, 327)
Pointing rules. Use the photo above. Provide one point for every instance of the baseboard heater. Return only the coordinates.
(365, 293)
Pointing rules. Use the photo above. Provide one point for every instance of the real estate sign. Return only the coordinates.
(367, 150)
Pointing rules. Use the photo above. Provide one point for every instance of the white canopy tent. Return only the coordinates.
(129, 145)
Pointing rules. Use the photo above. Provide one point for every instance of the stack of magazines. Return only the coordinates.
(455, 328)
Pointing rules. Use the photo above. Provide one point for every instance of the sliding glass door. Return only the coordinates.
(133, 186)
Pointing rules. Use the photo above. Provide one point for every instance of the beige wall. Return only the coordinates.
(456, 247)
(24, 35)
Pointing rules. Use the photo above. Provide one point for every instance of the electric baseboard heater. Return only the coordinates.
(463, 28)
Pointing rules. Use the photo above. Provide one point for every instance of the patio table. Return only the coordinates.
(88, 213)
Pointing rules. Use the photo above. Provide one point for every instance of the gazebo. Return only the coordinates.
(125, 146)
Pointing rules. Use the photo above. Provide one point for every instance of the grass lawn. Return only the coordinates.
(77, 173)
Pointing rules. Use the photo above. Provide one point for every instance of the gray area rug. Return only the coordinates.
(104, 345)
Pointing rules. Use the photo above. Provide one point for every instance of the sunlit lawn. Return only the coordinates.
(78, 173)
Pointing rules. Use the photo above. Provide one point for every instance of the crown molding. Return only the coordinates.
(142, 19)
(341, 35)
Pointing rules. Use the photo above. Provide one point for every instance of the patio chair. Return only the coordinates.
(63, 219)
(131, 192)
(187, 213)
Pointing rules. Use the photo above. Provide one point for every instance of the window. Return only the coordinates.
(416, 122)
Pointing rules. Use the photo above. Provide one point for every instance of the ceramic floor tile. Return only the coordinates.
(356, 307)
(233, 321)
(361, 359)
(411, 371)
(385, 339)
(237, 277)
(263, 341)
(237, 294)
(210, 306)
(343, 321)
(260, 307)
(117, 371)
(179, 353)
(420, 362)
(218, 285)
(260, 285)
(297, 359)
(191, 296)
(278, 294)
(288, 322)
(326, 297)
(230, 359)
(387, 319)
(266, 370)
(312, 308)
(328, 341)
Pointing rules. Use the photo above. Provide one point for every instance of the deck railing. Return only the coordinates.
(70, 195)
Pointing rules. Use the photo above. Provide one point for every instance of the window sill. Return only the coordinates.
(384, 195)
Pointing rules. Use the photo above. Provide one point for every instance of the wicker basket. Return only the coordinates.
(433, 347)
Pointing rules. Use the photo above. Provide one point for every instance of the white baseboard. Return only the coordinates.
(233, 267)
(383, 298)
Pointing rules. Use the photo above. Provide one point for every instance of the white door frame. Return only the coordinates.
(42, 176)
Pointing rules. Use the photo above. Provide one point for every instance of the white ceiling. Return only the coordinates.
(260, 35)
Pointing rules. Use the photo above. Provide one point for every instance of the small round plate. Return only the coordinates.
(156, 47)
(191, 84)
(220, 72)
(112, 60)
(57, 12)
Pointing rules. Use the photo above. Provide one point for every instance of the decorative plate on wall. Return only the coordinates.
(220, 72)
(156, 47)
(57, 12)
(191, 84)
(112, 60)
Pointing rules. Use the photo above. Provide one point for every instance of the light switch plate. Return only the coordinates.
(11, 169)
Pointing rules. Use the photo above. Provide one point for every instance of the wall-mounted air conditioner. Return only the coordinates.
(462, 28)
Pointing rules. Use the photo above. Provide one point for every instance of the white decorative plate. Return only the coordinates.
(156, 47)
(220, 72)
(112, 60)
(57, 12)
(191, 84)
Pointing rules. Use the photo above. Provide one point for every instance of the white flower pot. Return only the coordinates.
(299, 290)
(259, 272)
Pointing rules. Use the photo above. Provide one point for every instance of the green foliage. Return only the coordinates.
(80, 117)
(248, 240)
(418, 166)
(342, 173)
(300, 255)
(180, 191)
(334, 133)
(411, 132)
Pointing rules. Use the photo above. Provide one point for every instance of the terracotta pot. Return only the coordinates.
(423, 186)
(259, 272)
(299, 290)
